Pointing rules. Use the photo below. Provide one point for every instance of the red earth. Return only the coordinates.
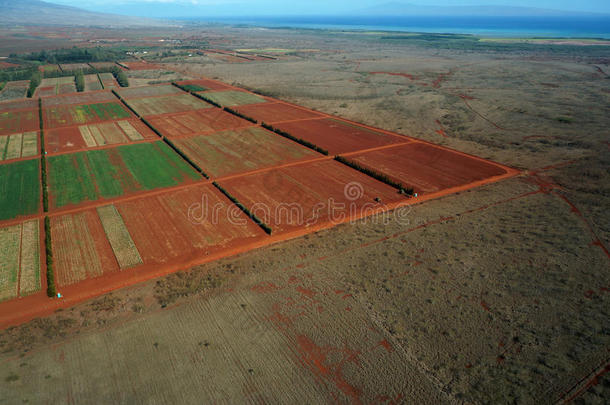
(139, 65)
(271, 113)
(310, 195)
(19, 121)
(207, 84)
(338, 136)
(25, 104)
(428, 168)
(197, 122)
(7, 65)
(186, 224)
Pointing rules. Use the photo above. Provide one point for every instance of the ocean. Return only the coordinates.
(563, 27)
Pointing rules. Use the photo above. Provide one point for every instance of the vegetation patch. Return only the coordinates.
(19, 188)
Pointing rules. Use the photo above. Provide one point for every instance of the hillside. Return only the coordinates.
(35, 12)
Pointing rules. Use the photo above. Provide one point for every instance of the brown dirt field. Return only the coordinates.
(70, 139)
(338, 136)
(197, 122)
(80, 248)
(167, 104)
(19, 121)
(148, 91)
(139, 65)
(78, 98)
(309, 195)
(271, 113)
(25, 104)
(187, 224)
(427, 168)
(208, 84)
(233, 152)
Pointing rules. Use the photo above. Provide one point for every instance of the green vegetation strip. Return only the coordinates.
(376, 175)
(294, 138)
(242, 207)
(51, 290)
(79, 81)
(43, 161)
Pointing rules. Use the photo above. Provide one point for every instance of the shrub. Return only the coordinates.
(120, 76)
(51, 290)
(202, 97)
(79, 81)
(34, 83)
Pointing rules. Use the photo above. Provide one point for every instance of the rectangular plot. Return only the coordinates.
(122, 245)
(167, 104)
(26, 104)
(87, 137)
(276, 112)
(313, 194)
(337, 136)
(69, 115)
(19, 188)
(427, 168)
(180, 233)
(13, 148)
(29, 279)
(204, 83)
(196, 122)
(109, 173)
(233, 98)
(97, 135)
(30, 144)
(130, 131)
(12, 122)
(80, 248)
(112, 133)
(10, 241)
(149, 91)
(78, 98)
(231, 152)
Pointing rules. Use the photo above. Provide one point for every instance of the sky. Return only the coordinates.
(334, 7)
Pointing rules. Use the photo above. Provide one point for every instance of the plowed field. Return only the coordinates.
(17, 146)
(276, 112)
(231, 152)
(167, 104)
(18, 121)
(203, 85)
(428, 168)
(232, 98)
(149, 91)
(19, 260)
(78, 98)
(310, 195)
(338, 136)
(197, 122)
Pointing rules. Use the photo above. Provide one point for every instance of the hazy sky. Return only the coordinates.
(335, 6)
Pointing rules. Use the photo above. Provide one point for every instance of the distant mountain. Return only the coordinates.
(406, 9)
(35, 12)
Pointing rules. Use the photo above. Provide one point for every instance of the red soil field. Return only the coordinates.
(428, 168)
(45, 91)
(139, 65)
(19, 121)
(25, 104)
(308, 196)
(79, 98)
(338, 136)
(275, 112)
(185, 224)
(197, 122)
(148, 91)
(70, 115)
(80, 248)
(70, 139)
(208, 84)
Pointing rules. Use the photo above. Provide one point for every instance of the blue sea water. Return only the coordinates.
(572, 27)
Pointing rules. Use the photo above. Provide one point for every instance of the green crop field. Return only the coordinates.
(233, 98)
(58, 116)
(19, 188)
(109, 173)
(193, 87)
